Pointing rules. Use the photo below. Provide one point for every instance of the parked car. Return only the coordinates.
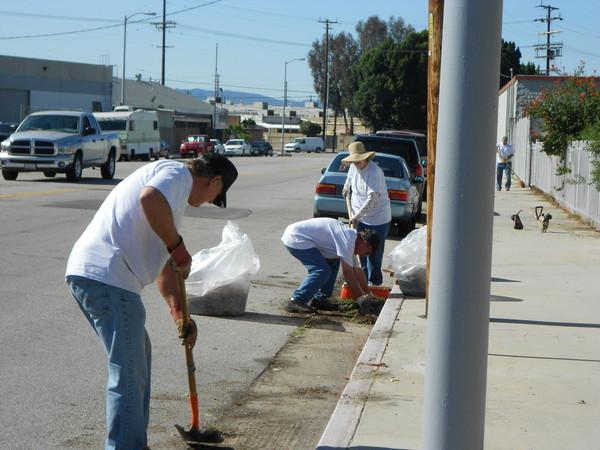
(165, 150)
(421, 141)
(419, 138)
(6, 129)
(194, 145)
(218, 146)
(237, 147)
(400, 146)
(59, 142)
(403, 190)
(305, 144)
(261, 148)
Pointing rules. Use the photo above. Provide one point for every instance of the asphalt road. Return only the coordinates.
(53, 368)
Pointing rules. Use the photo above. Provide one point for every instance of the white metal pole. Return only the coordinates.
(124, 49)
(284, 100)
(461, 251)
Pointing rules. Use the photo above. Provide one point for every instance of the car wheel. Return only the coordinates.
(9, 175)
(108, 168)
(74, 172)
(297, 150)
(49, 174)
(317, 150)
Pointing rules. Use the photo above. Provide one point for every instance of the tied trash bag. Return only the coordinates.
(408, 261)
(219, 280)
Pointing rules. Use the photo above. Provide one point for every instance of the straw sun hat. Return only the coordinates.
(357, 153)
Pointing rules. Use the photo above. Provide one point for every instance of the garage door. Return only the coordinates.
(14, 105)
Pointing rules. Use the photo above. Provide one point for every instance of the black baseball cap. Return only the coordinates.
(219, 165)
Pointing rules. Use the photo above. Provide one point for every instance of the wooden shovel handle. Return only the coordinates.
(189, 357)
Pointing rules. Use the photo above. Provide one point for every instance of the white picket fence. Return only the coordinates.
(573, 191)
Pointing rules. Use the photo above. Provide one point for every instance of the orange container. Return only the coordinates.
(377, 291)
(380, 291)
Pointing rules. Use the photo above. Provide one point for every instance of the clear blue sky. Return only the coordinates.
(255, 37)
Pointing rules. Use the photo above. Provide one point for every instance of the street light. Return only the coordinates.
(285, 99)
(141, 13)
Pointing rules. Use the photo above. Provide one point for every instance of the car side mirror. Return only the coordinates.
(13, 127)
(424, 162)
(88, 131)
(323, 170)
(418, 179)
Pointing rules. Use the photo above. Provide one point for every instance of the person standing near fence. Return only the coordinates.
(504, 155)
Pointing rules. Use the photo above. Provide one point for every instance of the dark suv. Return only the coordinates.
(399, 146)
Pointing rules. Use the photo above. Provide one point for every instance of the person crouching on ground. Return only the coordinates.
(320, 245)
(370, 203)
(132, 241)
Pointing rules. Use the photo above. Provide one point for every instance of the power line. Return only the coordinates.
(87, 30)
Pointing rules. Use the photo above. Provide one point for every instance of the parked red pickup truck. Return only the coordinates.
(195, 144)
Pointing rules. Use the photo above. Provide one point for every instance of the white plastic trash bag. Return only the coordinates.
(219, 279)
(408, 261)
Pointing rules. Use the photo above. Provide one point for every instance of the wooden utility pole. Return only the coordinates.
(436, 15)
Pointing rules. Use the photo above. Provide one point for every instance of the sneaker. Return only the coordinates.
(508, 188)
(296, 306)
(323, 305)
(498, 189)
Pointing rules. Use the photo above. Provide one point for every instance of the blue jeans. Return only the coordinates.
(372, 264)
(500, 169)
(322, 273)
(118, 316)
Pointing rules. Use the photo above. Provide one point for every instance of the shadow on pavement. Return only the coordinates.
(504, 280)
(546, 323)
(502, 298)
(544, 357)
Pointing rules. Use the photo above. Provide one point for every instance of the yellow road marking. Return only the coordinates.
(33, 194)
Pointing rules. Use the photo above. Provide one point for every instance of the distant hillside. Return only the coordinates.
(240, 97)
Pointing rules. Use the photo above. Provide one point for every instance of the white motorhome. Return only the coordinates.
(138, 130)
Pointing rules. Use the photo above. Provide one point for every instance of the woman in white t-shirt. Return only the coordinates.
(370, 204)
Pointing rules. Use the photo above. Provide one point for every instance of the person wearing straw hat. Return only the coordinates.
(370, 204)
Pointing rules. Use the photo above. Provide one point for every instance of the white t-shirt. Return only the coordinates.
(364, 182)
(503, 152)
(118, 247)
(332, 238)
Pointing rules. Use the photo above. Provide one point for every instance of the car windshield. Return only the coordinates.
(66, 124)
(235, 142)
(194, 139)
(391, 167)
(298, 140)
(113, 124)
(215, 141)
(403, 148)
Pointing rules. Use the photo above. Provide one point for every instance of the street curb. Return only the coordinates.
(345, 419)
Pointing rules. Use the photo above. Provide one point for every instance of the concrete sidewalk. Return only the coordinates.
(543, 385)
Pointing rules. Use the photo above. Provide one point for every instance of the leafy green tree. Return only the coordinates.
(510, 58)
(248, 123)
(374, 31)
(343, 54)
(570, 111)
(392, 84)
(310, 128)
(238, 131)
